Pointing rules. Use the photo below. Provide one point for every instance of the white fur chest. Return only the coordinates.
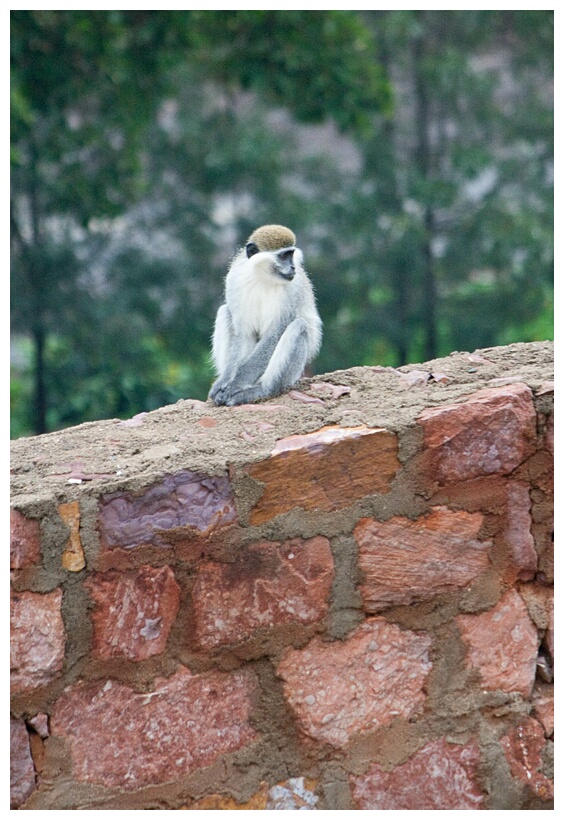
(255, 298)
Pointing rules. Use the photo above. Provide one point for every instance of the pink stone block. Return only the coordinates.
(134, 612)
(22, 772)
(185, 500)
(37, 644)
(502, 645)
(125, 739)
(25, 541)
(441, 776)
(493, 431)
(405, 561)
(523, 746)
(337, 689)
(269, 584)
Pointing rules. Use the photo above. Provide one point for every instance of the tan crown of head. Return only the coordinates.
(272, 237)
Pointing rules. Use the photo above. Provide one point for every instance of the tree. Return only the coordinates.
(84, 83)
(453, 211)
(87, 87)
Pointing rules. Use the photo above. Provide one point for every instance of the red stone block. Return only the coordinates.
(405, 561)
(486, 494)
(37, 641)
(269, 584)
(22, 772)
(517, 533)
(549, 636)
(40, 724)
(325, 470)
(134, 612)
(540, 605)
(441, 776)
(341, 688)
(491, 432)
(25, 541)
(126, 739)
(185, 500)
(523, 746)
(72, 558)
(502, 645)
(549, 434)
(543, 706)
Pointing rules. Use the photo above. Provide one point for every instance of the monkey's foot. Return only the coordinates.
(246, 396)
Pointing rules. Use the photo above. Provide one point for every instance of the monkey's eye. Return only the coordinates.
(251, 249)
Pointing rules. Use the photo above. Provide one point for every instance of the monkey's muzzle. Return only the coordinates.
(285, 263)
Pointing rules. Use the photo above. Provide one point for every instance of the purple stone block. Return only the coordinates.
(184, 500)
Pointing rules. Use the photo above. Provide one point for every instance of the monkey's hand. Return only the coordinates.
(246, 395)
(225, 393)
(219, 391)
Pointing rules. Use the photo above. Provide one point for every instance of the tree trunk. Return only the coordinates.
(40, 396)
(400, 283)
(36, 280)
(429, 300)
(424, 163)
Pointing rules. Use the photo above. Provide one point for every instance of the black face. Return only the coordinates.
(251, 249)
(286, 256)
(284, 265)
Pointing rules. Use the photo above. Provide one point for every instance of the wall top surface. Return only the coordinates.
(112, 455)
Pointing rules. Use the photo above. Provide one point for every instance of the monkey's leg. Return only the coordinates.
(247, 361)
(222, 339)
(223, 351)
(285, 367)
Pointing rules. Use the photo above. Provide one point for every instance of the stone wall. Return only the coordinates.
(337, 599)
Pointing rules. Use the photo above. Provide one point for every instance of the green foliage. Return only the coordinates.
(21, 388)
(89, 81)
(319, 63)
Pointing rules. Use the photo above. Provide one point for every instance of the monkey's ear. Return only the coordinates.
(251, 249)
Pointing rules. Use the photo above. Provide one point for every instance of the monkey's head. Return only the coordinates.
(276, 244)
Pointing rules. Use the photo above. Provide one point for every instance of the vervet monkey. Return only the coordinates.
(269, 328)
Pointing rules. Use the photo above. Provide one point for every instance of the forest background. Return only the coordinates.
(411, 152)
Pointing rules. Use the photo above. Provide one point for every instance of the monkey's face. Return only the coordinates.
(279, 263)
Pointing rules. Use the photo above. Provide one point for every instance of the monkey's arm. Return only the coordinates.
(242, 374)
(281, 369)
(239, 359)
